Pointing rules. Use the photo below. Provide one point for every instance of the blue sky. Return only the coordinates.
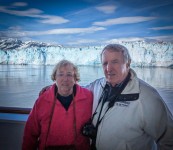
(86, 22)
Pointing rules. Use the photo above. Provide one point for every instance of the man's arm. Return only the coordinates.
(165, 142)
(158, 121)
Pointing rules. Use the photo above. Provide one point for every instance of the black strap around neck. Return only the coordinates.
(52, 111)
(120, 88)
(111, 100)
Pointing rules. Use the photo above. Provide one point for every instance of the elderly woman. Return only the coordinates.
(59, 113)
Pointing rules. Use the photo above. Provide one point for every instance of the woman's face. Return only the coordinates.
(65, 80)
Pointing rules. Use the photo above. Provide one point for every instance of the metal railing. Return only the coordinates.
(15, 110)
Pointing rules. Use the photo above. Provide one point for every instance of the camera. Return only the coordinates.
(89, 130)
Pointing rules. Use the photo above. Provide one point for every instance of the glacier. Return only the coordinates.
(143, 54)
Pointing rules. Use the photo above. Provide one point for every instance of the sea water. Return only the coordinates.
(21, 84)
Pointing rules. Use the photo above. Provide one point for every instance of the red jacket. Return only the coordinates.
(62, 131)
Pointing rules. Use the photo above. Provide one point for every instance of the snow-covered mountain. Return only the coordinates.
(143, 53)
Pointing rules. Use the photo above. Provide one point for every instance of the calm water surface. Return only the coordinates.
(20, 85)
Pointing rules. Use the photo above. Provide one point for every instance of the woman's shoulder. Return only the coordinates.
(47, 94)
(84, 91)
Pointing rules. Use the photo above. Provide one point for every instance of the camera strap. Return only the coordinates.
(112, 100)
(101, 99)
(51, 116)
(50, 120)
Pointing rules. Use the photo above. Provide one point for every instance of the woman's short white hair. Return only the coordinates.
(64, 63)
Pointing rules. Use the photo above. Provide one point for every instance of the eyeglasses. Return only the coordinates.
(69, 76)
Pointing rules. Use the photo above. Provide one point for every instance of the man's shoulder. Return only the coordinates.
(149, 95)
(100, 81)
(95, 84)
(147, 88)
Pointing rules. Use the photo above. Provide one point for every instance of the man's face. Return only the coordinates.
(65, 80)
(114, 67)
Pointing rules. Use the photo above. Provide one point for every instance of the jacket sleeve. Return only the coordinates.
(158, 121)
(90, 86)
(32, 130)
(165, 141)
(101, 82)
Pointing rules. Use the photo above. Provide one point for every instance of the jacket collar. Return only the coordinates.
(49, 94)
(132, 86)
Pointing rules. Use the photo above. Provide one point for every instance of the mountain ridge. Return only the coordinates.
(144, 54)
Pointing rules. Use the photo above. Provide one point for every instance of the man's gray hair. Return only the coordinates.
(118, 48)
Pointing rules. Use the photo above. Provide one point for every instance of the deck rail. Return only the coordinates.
(15, 110)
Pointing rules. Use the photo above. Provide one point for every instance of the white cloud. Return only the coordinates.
(133, 39)
(52, 19)
(19, 4)
(19, 33)
(106, 9)
(35, 13)
(124, 20)
(29, 13)
(72, 30)
(82, 41)
(161, 38)
(130, 39)
(162, 28)
(15, 28)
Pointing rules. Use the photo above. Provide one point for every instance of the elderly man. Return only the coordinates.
(129, 113)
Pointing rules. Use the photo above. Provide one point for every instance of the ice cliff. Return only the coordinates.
(142, 53)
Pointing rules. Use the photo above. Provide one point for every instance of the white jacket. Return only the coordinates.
(133, 125)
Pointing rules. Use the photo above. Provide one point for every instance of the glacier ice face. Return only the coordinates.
(142, 53)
